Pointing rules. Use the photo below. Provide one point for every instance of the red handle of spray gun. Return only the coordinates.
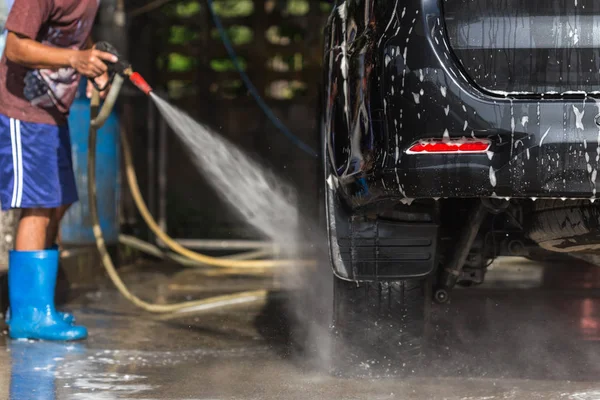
(140, 83)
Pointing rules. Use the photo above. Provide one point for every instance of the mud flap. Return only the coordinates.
(373, 249)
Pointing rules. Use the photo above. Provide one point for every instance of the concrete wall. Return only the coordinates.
(8, 225)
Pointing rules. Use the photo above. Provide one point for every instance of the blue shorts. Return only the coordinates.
(36, 165)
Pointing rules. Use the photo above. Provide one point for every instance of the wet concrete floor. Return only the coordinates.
(532, 332)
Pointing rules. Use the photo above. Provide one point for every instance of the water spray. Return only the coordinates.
(118, 72)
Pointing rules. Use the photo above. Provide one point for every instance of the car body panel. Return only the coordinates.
(392, 78)
(535, 46)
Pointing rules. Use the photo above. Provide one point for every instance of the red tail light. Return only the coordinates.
(443, 146)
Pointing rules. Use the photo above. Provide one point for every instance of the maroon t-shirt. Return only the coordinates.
(45, 96)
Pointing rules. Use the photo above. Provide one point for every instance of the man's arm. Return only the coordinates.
(32, 54)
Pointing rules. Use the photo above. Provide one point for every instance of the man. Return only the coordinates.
(47, 48)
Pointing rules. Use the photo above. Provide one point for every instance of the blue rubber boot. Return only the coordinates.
(67, 317)
(31, 284)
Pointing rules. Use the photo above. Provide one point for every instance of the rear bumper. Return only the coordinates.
(410, 86)
(556, 169)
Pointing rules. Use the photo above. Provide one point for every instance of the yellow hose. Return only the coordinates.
(228, 265)
(148, 248)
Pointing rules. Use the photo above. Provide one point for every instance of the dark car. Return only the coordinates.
(454, 132)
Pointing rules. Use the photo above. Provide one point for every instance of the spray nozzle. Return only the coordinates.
(140, 83)
(123, 68)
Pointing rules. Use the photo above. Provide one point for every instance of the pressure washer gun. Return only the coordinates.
(121, 67)
(117, 73)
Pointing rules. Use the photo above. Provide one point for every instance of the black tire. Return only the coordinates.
(566, 226)
(379, 327)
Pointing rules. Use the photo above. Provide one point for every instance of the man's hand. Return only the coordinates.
(90, 63)
(31, 54)
(101, 81)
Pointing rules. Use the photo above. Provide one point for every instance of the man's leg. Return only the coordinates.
(38, 178)
(54, 225)
(52, 243)
(36, 226)
(33, 228)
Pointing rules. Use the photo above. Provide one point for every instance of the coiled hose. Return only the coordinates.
(229, 265)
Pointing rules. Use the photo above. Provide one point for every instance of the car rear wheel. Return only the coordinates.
(379, 327)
